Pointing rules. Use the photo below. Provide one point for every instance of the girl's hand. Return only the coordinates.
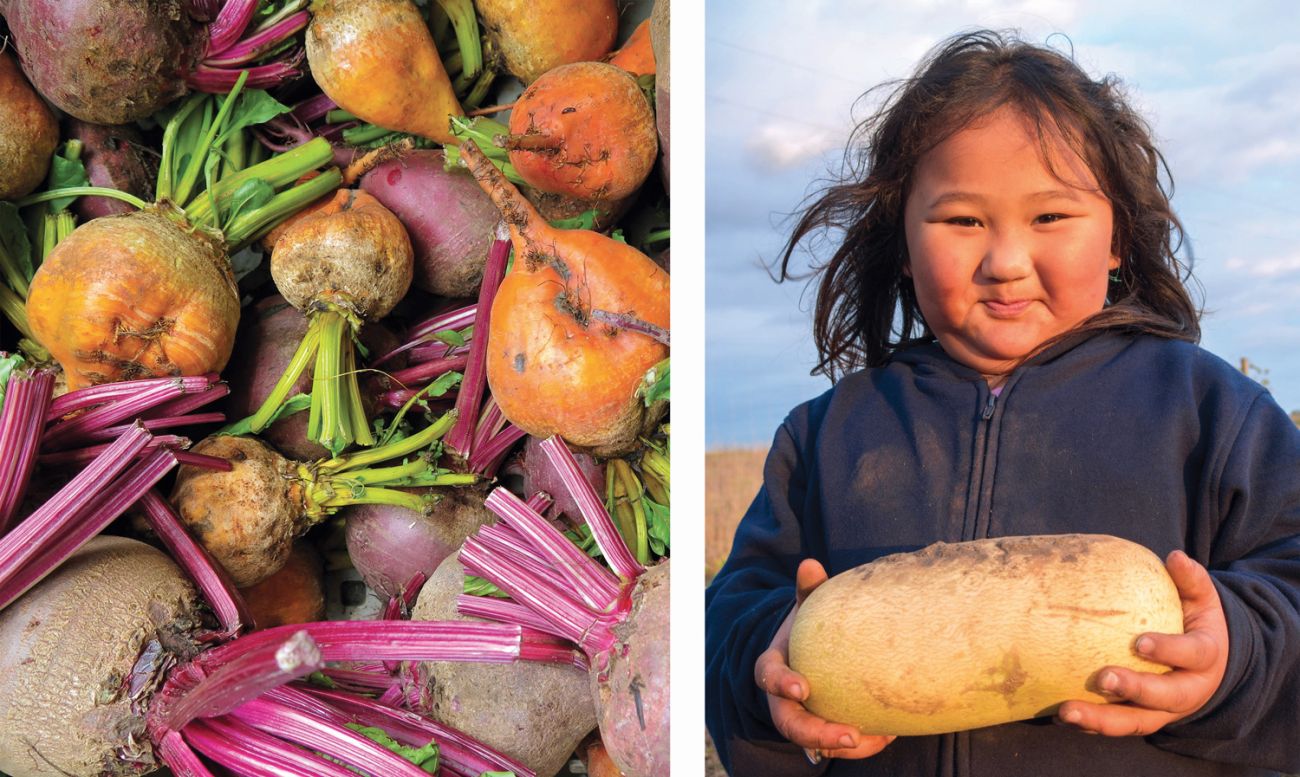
(1199, 657)
(786, 690)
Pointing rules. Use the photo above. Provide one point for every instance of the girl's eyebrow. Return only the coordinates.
(961, 196)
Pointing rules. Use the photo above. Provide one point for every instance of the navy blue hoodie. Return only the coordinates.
(1148, 439)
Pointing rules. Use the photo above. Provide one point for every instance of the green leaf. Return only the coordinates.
(251, 195)
(424, 757)
(8, 364)
(14, 244)
(477, 586)
(585, 540)
(584, 220)
(252, 107)
(321, 679)
(450, 337)
(656, 384)
(65, 173)
(658, 525)
(244, 426)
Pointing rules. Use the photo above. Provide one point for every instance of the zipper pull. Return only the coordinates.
(988, 407)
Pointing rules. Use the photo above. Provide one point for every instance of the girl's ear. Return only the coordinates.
(1113, 264)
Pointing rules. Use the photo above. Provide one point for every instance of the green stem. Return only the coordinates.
(13, 274)
(333, 430)
(393, 450)
(480, 90)
(81, 191)
(339, 116)
(278, 171)
(364, 134)
(373, 496)
(199, 156)
(251, 226)
(15, 309)
(352, 395)
(166, 171)
(301, 357)
(461, 14)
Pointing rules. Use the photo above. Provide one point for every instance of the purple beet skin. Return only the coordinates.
(107, 61)
(389, 545)
(115, 158)
(450, 220)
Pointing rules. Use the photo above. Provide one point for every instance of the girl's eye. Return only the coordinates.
(964, 221)
(1050, 218)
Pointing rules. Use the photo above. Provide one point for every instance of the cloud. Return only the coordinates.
(782, 145)
(1271, 267)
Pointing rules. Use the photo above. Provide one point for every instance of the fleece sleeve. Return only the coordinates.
(744, 606)
(1254, 558)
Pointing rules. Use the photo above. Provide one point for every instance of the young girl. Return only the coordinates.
(1017, 352)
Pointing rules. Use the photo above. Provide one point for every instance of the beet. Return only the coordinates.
(28, 133)
(389, 545)
(107, 61)
(265, 343)
(632, 693)
(69, 644)
(537, 713)
(115, 158)
(539, 475)
(450, 220)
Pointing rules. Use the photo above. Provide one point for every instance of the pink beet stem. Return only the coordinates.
(423, 373)
(243, 678)
(63, 538)
(26, 398)
(247, 751)
(313, 108)
(597, 587)
(593, 510)
(107, 392)
(453, 319)
(204, 461)
(209, 576)
(328, 738)
(26, 541)
(190, 402)
(259, 43)
(460, 751)
(504, 611)
(155, 425)
(180, 758)
(83, 455)
(395, 641)
(460, 438)
(220, 81)
(230, 24)
(64, 434)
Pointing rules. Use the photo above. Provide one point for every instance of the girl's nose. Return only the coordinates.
(1007, 259)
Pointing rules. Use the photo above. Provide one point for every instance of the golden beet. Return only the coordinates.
(964, 635)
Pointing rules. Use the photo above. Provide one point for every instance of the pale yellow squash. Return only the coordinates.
(964, 635)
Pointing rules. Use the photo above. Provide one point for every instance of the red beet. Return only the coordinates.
(539, 475)
(450, 220)
(389, 545)
(107, 61)
(115, 158)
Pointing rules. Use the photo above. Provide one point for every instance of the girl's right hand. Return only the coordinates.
(786, 689)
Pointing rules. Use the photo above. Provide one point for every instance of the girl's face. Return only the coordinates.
(1003, 254)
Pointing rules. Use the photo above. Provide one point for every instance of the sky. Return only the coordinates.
(1218, 85)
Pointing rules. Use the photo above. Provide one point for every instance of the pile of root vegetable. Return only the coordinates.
(334, 388)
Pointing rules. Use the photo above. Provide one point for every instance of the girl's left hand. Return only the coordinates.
(1198, 656)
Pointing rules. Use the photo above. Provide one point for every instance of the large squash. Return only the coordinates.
(963, 635)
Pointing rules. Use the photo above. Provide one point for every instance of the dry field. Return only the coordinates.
(731, 479)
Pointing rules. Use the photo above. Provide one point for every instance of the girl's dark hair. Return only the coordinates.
(866, 307)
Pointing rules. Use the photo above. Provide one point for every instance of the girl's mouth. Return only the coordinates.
(1006, 308)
